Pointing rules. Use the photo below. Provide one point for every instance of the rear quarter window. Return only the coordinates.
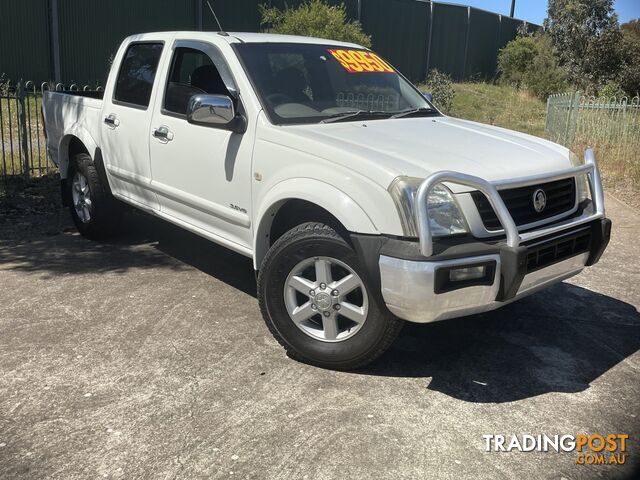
(137, 73)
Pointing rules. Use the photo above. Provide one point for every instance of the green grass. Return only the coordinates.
(499, 105)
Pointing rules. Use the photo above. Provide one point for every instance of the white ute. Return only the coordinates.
(359, 202)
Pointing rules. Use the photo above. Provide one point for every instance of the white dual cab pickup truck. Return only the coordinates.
(360, 203)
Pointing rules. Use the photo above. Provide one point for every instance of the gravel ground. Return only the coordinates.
(147, 357)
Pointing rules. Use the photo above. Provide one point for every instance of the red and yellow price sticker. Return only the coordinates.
(359, 61)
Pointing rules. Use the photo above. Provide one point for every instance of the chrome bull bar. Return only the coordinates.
(490, 190)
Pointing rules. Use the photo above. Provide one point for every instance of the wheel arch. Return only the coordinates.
(74, 142)
(293, 202)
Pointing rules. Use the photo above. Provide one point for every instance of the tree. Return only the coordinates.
(629, 78)
(515, 59)
(314, 18)
(544, 75)
(587, 40)
(528, 62)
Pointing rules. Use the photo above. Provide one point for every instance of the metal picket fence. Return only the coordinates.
(23, 149)
(611, 126)
(573, 119)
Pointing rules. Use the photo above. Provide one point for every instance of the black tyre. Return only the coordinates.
(317, 302)
(95, 212)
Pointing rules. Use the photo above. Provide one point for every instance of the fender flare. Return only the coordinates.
(63, 147)
(351, 215)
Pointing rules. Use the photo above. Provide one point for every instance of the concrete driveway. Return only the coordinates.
(148, 358)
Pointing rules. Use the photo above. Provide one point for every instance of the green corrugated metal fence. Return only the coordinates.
(350, 5)
(482, 44)
(73, 40)
(399, 31)
(24, 39)
(235, 16)
(507, 31)
(449, 39)
(85, 48)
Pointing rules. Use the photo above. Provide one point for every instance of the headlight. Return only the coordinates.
(445, 217)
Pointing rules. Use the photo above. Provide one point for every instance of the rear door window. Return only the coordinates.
(137, 73)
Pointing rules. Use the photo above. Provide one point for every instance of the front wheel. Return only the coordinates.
(317, 301)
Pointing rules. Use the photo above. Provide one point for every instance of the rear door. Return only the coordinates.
(126, 123)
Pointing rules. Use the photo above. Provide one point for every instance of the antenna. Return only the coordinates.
(214, 15)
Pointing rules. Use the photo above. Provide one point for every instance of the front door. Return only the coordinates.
(201, 174)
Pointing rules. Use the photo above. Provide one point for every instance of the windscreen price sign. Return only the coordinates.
(360, 61)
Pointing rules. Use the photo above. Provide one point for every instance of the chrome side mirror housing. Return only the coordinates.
(216, 111)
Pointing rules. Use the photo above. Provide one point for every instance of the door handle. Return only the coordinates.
(162, 133)
(111, 120)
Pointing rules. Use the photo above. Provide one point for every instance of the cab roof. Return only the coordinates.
(246, 37)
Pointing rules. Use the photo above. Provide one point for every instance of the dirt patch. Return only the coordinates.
(31, 208)
(625, 190)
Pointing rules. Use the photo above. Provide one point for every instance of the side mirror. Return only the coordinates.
(428, 96)
(215, 111)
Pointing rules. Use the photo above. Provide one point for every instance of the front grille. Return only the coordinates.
(545, 253)
(561, 197)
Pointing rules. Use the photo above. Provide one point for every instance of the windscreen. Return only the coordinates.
(306, 83)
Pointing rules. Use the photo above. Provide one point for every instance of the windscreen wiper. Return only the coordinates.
(422, 111)
(340, 117)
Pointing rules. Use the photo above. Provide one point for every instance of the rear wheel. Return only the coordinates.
(95, 212)
(317, 301)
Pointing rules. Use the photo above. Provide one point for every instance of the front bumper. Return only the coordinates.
(420, 280)
(412, 288)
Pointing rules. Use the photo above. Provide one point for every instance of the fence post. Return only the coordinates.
(575, 113)
(22, 129)
(466, 45)
(567, 120)
(198, 15)
(429, 40)
(547, 127)
(54, 38)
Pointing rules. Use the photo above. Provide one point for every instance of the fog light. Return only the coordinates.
(467, 273)
(464, 275)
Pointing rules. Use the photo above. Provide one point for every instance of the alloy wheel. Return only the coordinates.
(326, 299)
